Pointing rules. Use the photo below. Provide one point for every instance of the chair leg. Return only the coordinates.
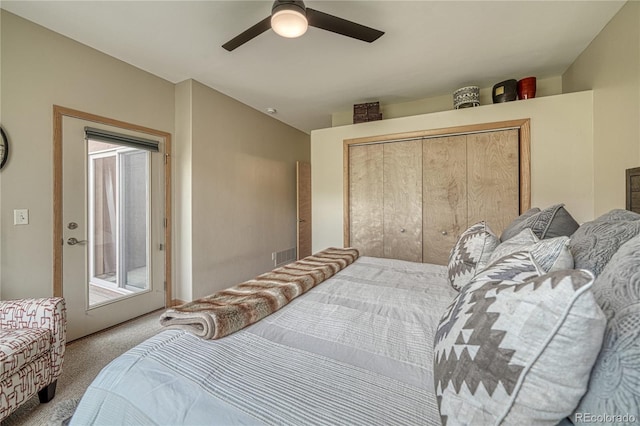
(47, 393)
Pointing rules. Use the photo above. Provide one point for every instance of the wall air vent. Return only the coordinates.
(283, 257)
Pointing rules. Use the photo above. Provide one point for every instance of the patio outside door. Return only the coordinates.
(113, 226)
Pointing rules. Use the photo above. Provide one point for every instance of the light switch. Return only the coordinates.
(21, 217)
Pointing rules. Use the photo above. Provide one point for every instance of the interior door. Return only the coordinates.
(113, 229)
(303, 203)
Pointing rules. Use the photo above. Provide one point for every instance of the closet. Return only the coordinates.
(409, 197)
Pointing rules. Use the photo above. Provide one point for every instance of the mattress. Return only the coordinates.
(355, 350)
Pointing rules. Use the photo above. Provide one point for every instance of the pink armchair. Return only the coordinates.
(32, 344)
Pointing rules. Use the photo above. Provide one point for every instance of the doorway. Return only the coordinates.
(303, 209)
(111, 221)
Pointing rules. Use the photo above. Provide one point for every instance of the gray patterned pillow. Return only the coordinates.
(502, 346)
(552, 254)
(595, 242)
(619, 214)
(614, 387)
(474, 246)
(514, 227)
(554, 221)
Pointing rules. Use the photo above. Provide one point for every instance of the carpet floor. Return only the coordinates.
(83, 360)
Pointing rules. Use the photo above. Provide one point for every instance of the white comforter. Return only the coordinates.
(355, 350)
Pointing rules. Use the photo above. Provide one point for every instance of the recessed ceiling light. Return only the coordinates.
(272, 110)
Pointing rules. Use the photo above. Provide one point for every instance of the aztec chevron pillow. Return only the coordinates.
(552, 254)
(525, 240)
(514, 268)
(472, 249)
(516, 348)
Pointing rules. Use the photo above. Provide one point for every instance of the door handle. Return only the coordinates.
(73, 241)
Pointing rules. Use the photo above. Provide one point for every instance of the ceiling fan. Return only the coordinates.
(290, 18)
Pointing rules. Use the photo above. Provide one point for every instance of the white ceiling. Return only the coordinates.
(430, 48)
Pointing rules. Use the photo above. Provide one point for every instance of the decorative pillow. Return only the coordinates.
(474, 246)
(554, 221)
(552, 254)
(619, 214)
(514, 227)
(595, 242)
(517, 352)
(516, 267)
(524, 240)
(614, 387)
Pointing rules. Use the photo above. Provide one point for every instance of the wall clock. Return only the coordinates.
(4, 148)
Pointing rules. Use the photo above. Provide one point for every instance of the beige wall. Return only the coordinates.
(182, 194)
(39, 69)
(233, 166)
(611, 67)
(561, 155)
(243, 189)
(544, 87)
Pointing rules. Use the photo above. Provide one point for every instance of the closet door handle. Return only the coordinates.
(444, 232)
(401, 229)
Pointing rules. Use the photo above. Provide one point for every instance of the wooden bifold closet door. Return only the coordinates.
(467, 178)
(411, 200)
(366, 200)
(493, 178)
(386, 193)
(402, 200)
(444, 209)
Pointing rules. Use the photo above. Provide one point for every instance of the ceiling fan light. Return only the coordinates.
(289, 23)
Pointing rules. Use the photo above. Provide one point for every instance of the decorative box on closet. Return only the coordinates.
(409, 196)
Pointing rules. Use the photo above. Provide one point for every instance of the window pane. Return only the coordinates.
(134, 216)
(104, 232)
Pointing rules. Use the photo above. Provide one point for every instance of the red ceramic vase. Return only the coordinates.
(527, 88)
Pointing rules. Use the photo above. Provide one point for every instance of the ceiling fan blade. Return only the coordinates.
(342, 26)
(249, 34)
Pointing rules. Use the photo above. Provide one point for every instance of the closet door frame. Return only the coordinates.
(522, 125)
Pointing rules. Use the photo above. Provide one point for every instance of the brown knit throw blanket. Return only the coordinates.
(230, 310)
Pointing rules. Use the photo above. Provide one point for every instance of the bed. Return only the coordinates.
(356, 349)
(522, 328)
